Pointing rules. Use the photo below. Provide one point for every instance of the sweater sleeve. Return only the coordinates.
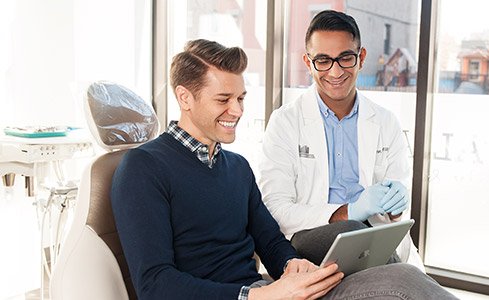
(140, 202)
(270, 244)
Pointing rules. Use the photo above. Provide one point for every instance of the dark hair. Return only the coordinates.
(331, 20)
(190, 67)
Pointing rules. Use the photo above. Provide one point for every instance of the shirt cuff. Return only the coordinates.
(243, 293)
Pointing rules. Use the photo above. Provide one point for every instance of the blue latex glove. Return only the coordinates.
(369, 203)
(397, 199)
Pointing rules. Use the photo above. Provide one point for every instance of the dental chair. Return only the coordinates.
(91, 263)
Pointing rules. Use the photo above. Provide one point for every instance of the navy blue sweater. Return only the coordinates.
(188, 231)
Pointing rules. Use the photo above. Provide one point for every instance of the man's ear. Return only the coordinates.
(363, 55)
(307, 62)
(184, 97)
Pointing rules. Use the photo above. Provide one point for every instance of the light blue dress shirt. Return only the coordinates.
(342, 142)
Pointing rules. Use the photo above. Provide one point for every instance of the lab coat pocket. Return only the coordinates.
(306, 165)
(380, 167)
(305, 178)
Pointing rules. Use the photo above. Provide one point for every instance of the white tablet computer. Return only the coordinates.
(357, 250)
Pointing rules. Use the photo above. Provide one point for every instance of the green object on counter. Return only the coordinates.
(37, 131)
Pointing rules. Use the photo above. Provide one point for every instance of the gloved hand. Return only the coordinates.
(369, 203)
(397, 199)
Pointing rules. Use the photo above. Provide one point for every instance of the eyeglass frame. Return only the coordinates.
(336, 59)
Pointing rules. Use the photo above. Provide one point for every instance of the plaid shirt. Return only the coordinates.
(243, 293)
(201, 150)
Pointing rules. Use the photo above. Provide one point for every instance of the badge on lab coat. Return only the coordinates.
(304, 152)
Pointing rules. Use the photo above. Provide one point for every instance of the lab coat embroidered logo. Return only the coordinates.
(304, 152)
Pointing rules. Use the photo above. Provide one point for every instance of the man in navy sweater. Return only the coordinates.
(190, 215)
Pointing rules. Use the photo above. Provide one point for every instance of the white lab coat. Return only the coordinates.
(295, 186)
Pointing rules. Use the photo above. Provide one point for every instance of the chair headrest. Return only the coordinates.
(118, 118)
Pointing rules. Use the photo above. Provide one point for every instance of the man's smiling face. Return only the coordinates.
(336, 84)
(215, 112)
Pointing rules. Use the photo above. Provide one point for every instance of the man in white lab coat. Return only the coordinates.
(333, 160)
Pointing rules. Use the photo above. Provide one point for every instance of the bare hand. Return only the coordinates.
(296, 265)
(309, 285)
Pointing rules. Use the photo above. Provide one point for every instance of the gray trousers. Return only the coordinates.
(313, 244)
(388, 282)
(393, 281)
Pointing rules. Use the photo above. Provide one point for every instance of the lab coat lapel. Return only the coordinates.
(314, 134)
(368, 138)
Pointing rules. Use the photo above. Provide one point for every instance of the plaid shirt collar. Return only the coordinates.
(199, 149)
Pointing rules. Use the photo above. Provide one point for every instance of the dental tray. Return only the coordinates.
(37, 131)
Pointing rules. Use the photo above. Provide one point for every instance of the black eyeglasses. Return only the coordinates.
(324, 63)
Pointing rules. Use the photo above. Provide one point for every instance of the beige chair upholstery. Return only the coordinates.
(91, 263)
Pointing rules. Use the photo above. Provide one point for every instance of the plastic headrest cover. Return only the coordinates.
(118, 118)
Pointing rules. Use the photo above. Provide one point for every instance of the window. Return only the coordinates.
(474, 70)
(73, 43)
(457, 222)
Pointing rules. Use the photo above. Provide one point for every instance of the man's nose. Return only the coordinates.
(236, 108)
(336, 70)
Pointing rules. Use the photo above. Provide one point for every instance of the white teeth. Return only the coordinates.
(228, 124)
(336, 82)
